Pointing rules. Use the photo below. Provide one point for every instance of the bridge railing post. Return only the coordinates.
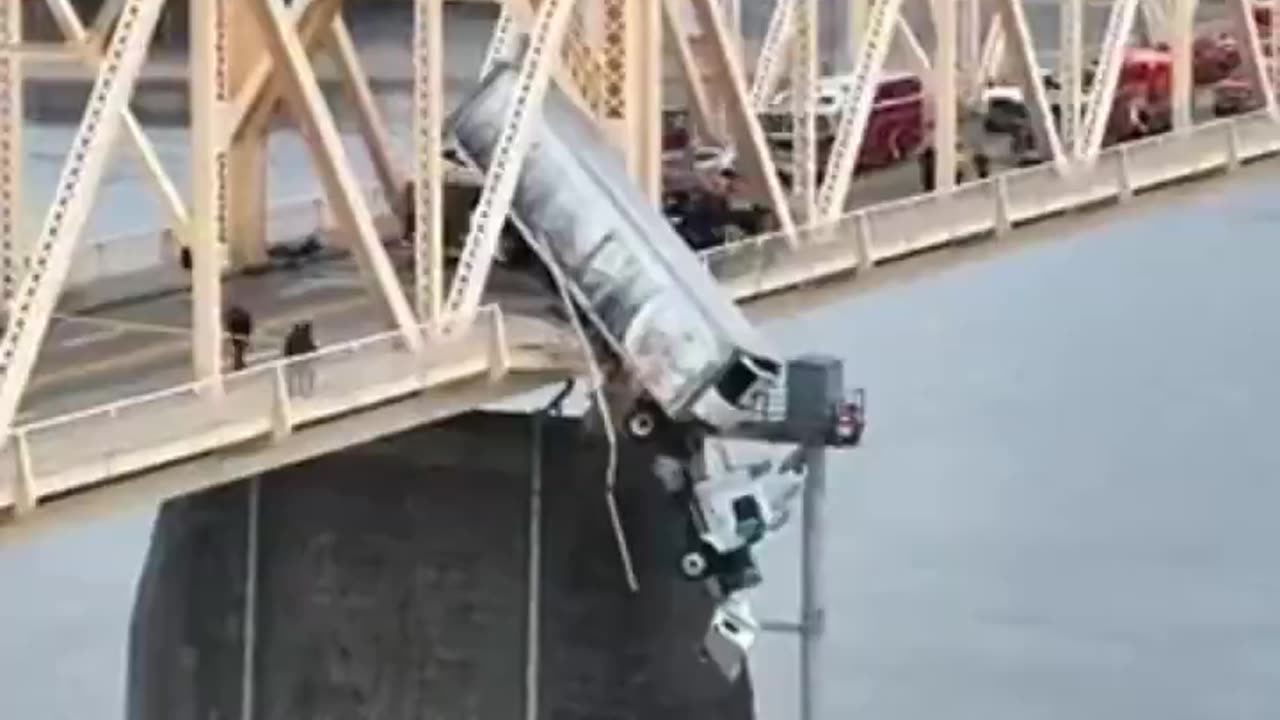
(1003, 216)
(1233, 145)
(1124, 177)
(496, 335)
(281, 404)
(864, 238)
(24, 486)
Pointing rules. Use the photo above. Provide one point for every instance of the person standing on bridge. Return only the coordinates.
(239, 326)
(300, 342)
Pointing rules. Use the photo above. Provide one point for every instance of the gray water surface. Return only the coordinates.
(1065, 505)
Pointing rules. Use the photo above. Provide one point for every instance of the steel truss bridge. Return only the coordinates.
(153, 411)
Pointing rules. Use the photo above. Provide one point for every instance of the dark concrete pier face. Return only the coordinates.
(393, 582)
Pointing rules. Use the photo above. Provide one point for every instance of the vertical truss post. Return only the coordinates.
(1255, 62)
(969, 47)
(210, 93)
(704, 113)
(1103, 93)
(302, 90)
(804, 82)
(773, 51)
(645, 92)
(944, 93)
(69, 24)
(369, 117)
(1273, 41)
(612, 26)
(504, 170)
(749, 139)
(428, 111)
(631, 104)
(1070, 65)
(1018, 34)
(1181, 35)
(12, 246)
(37, 294)
(873, 49)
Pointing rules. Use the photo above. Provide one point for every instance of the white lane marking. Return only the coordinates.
(91, 338)
(261, 356)
(307, 285)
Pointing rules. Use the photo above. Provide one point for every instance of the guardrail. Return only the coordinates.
(76, 450)
(69, 452)
(122, 254)
(766, 264)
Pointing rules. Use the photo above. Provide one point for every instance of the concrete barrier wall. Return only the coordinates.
(393, 582)
(885, 231)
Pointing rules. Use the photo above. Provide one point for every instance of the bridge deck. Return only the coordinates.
(54, 456)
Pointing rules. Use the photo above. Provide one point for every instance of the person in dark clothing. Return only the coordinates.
(927, 161)
(748, 217)
(300, 374)
(239, 326)
(982, 164)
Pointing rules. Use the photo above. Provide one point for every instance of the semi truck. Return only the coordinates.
(692, 357)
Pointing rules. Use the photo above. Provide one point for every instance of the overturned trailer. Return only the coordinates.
(690, 350)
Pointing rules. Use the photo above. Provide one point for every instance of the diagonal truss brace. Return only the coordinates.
(549, 27)
(752, 148)
(372, 125)
(302, 91)
(502, 41)
(1017, 31)
(773, 54)
(72, 28)
(1255, 60)
(523, 14)
(1103, 93)
(51, 256)
(857, 108)
(257, 95)
(703, 106)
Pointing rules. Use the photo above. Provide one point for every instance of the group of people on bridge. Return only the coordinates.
(299, 342)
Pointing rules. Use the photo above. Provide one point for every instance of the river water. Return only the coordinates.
(1064, 506)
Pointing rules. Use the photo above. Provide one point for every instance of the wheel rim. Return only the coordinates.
(641, 425)
(693, 564)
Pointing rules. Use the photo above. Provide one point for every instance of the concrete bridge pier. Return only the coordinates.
(394, 581)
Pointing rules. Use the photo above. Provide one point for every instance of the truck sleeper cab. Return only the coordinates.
(690, 352)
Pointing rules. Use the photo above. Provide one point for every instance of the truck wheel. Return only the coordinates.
(641, 423)
(693, 565)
